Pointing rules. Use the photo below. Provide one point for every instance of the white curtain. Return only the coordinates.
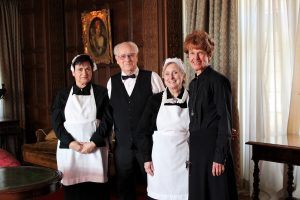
(268, 31)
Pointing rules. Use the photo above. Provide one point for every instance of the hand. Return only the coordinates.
(234, 134)
(75, 145)
(88, 147)
(149, 168)
(217, 169)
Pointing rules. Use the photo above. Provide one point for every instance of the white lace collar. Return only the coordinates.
(174, 100)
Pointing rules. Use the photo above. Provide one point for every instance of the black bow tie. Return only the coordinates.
(130, 76)
(181, 105)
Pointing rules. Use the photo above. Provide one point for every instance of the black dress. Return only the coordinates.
(210, 108)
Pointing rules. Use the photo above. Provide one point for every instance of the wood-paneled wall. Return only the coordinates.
(52, 36)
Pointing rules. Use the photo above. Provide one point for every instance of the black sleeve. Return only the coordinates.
(147, 126)
(223, 101)
(58, 118)
(104, 114)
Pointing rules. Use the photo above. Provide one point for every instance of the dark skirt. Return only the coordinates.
(87, 190)
(202, 184)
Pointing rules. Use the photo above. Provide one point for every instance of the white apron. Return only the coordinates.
(169, 154)
(81, 123)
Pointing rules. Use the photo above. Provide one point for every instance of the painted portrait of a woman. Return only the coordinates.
(98, 37)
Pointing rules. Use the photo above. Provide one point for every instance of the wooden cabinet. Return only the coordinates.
(11, 137)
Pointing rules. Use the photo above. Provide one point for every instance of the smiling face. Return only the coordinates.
(198, 59)
(82, 74)
(127, 58)
(173, 77)
(199, 47)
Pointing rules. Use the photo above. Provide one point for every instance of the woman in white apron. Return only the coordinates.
(163, 134)
(81, 118)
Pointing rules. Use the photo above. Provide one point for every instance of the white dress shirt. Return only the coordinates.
(156, 83)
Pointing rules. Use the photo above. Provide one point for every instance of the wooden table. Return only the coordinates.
(280, 149)
(27, 182)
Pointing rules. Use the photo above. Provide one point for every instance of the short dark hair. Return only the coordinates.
(81, 59)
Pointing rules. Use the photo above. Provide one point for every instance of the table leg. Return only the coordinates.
(255, 195)
(290, 187)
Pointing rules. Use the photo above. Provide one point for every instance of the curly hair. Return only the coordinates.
(199, 40)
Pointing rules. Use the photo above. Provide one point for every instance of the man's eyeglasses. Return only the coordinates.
(124, 56)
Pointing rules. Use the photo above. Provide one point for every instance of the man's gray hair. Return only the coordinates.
(132, 44)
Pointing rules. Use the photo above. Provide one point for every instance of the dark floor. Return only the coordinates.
(243, 195)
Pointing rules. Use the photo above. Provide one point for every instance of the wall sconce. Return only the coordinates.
(2, 91)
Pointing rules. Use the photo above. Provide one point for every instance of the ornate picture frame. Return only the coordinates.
(96, 35)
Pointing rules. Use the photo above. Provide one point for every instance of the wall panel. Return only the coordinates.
(43, 55)
(52, 36)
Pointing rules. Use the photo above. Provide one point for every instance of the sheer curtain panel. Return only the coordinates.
(267, 50)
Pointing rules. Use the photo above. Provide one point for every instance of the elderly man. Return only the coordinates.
(128, 92)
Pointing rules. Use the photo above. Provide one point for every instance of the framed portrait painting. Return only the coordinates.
(96, 35)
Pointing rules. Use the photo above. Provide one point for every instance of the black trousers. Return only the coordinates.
(130, 169)
(87, 190)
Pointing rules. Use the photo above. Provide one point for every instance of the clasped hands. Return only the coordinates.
(83, 147)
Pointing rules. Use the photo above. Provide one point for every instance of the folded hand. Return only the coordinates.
(88, 147)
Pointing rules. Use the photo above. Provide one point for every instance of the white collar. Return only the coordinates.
(175, 99)
(136, 72)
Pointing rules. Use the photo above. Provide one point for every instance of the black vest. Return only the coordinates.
(127, 111)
